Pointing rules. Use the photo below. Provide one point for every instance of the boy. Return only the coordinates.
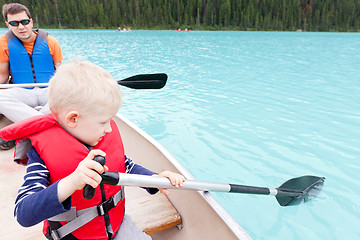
(83, 99)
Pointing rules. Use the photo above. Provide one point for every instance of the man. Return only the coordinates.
(26, 56)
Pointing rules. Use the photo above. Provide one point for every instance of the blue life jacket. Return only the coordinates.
(38, 68)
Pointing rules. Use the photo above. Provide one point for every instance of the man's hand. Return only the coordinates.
(4, 73)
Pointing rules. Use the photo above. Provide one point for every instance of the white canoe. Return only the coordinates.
(185, 215)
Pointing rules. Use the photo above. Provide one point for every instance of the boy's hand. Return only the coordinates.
(175, 179)
(83, 174)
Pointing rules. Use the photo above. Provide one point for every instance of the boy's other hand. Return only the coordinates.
(175, 179)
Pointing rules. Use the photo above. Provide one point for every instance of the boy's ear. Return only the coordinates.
(71, 118)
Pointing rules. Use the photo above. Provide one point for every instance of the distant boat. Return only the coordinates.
(123, 30)
(179, 30)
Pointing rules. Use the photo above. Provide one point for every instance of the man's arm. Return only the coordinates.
(4, 73)
(57, 64)
(55, 51)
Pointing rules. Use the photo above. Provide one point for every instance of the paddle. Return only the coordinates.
(292, 192)
(141, 81)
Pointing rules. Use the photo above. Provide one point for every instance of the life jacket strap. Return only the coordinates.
(76, 219)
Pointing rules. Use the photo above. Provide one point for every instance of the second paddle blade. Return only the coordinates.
(145, 81)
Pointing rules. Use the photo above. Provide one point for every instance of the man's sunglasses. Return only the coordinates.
(16, 23)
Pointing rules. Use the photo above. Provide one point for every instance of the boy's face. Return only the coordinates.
(90, 129)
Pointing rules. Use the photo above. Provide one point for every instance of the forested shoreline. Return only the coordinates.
(239, 15)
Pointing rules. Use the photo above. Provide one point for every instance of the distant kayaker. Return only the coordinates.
(83, 99)
(26, 56)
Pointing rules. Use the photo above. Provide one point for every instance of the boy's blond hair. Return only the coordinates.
(85, 87)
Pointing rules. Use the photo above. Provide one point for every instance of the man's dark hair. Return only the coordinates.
(14, 8)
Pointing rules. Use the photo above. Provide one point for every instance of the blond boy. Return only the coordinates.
(83, 99)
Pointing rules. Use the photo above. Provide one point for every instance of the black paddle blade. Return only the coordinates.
(145, 81)
(298, 190)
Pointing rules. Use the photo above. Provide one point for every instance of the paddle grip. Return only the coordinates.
(89, 191)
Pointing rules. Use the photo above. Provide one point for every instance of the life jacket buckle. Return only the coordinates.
(106, 206)
(55, 235)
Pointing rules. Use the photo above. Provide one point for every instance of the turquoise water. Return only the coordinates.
(253, 108)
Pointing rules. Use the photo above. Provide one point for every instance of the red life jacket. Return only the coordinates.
(62, 153)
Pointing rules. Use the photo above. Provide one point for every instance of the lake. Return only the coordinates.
(252, 108)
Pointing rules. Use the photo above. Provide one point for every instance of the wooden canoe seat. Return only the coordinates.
(151, 213)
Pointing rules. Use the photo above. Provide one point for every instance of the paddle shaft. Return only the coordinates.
(25, 85)
(141, 81)
(115, 178)
(292, 192)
